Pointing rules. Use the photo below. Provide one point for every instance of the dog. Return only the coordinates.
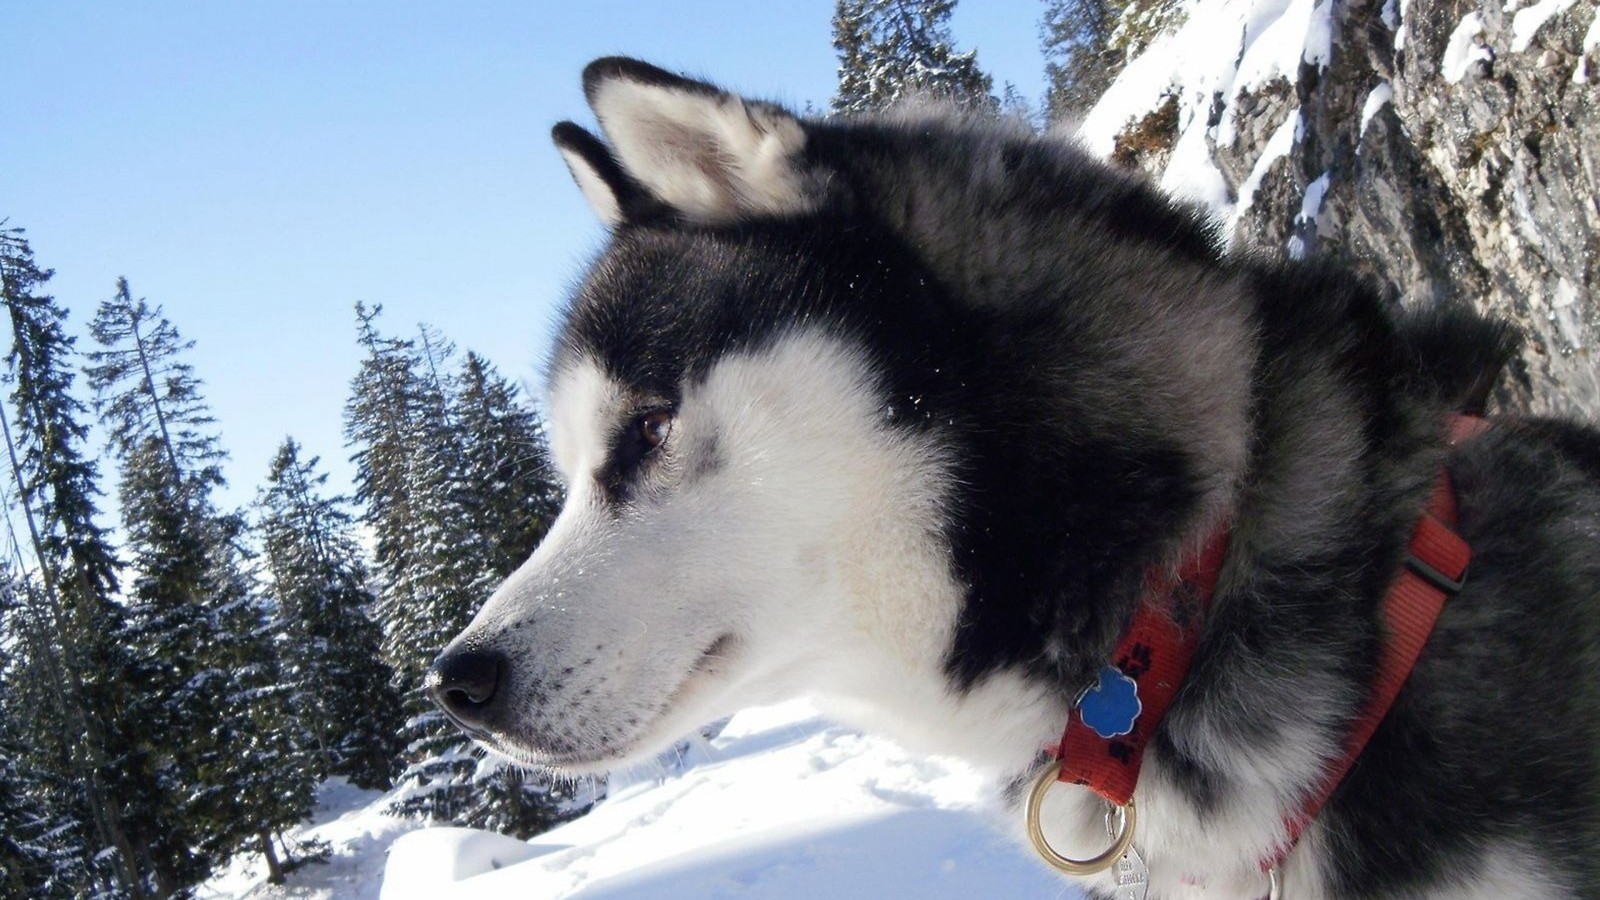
(908, 412)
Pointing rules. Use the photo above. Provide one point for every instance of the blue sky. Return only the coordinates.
(258, 168)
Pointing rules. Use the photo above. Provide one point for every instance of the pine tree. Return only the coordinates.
(263, 757)
(31, 859)
(26, 863)
(96, 742)
(397, 422)
(387, 424)
(509, 500)
(147, 392)
(513, 496)
(43, 852)
(209, 673)
(341, 688)
(1081, 61)
(1015, 106)
(431, 452)
(889, 49)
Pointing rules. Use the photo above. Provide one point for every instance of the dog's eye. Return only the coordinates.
(653, 428)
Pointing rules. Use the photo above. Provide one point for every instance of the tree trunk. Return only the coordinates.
(150, 381)
(274, 870)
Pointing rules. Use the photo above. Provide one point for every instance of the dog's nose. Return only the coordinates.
(463, 683)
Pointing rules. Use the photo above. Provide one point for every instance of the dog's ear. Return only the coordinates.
(709, 155)
(615, 197)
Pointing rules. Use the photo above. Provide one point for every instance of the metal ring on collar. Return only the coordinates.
(1119, 844)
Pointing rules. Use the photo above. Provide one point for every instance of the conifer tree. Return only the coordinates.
(396, 421)
(209, 670)
(42, 848)
(33, 859)
(889, 49)
(26, 863)
(1076, 37)
(514, 496)
(386, 424)
(508, 500)
(263, 758)
(146, 391)
(341, 688)
(100, 746)
(429, 461)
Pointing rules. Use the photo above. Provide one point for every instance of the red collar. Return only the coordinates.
(1155, 654)
(1159, 646)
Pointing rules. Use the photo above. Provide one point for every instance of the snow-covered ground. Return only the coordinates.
(358, 835)
(781, 805)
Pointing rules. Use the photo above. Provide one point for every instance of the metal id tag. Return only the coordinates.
(1133, 878)
(1131, 874)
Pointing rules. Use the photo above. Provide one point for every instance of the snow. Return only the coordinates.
(1464, 49)
(1377, 99)
(1273, 38)
(1568, 315)
(1299, 30)
(1591, 39)
(430, 861)
(1527, 22)
(358, 831)
(780, 805)
(1319, 35)
(1192, 175)
(1310, 208)
(1278, 146)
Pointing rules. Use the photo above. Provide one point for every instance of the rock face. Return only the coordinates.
(1448, 148)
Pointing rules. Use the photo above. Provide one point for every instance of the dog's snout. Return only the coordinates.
(464, 682)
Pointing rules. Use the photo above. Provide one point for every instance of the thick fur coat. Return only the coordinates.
(900, 412)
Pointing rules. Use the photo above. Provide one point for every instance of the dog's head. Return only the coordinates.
(749, 499)
(881, 410)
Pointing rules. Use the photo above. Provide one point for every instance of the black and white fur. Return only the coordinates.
(898, 411)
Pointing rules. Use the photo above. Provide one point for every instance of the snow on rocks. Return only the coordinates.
(1400, 25)
(1310, 208)
(1273, 38)
(1465, 49)
(1591, 39)
(1377, 99)
(1528, 20)
(1297, 31)
(1487, 136)
(1282, 141)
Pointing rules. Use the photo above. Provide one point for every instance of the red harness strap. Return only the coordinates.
(1157, 651)
(1433, 571)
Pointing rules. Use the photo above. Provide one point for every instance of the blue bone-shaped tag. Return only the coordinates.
(1112, 706)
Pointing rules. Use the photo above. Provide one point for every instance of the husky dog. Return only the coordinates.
(901, 412)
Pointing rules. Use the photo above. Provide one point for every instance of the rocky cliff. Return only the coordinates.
(1449, 148)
